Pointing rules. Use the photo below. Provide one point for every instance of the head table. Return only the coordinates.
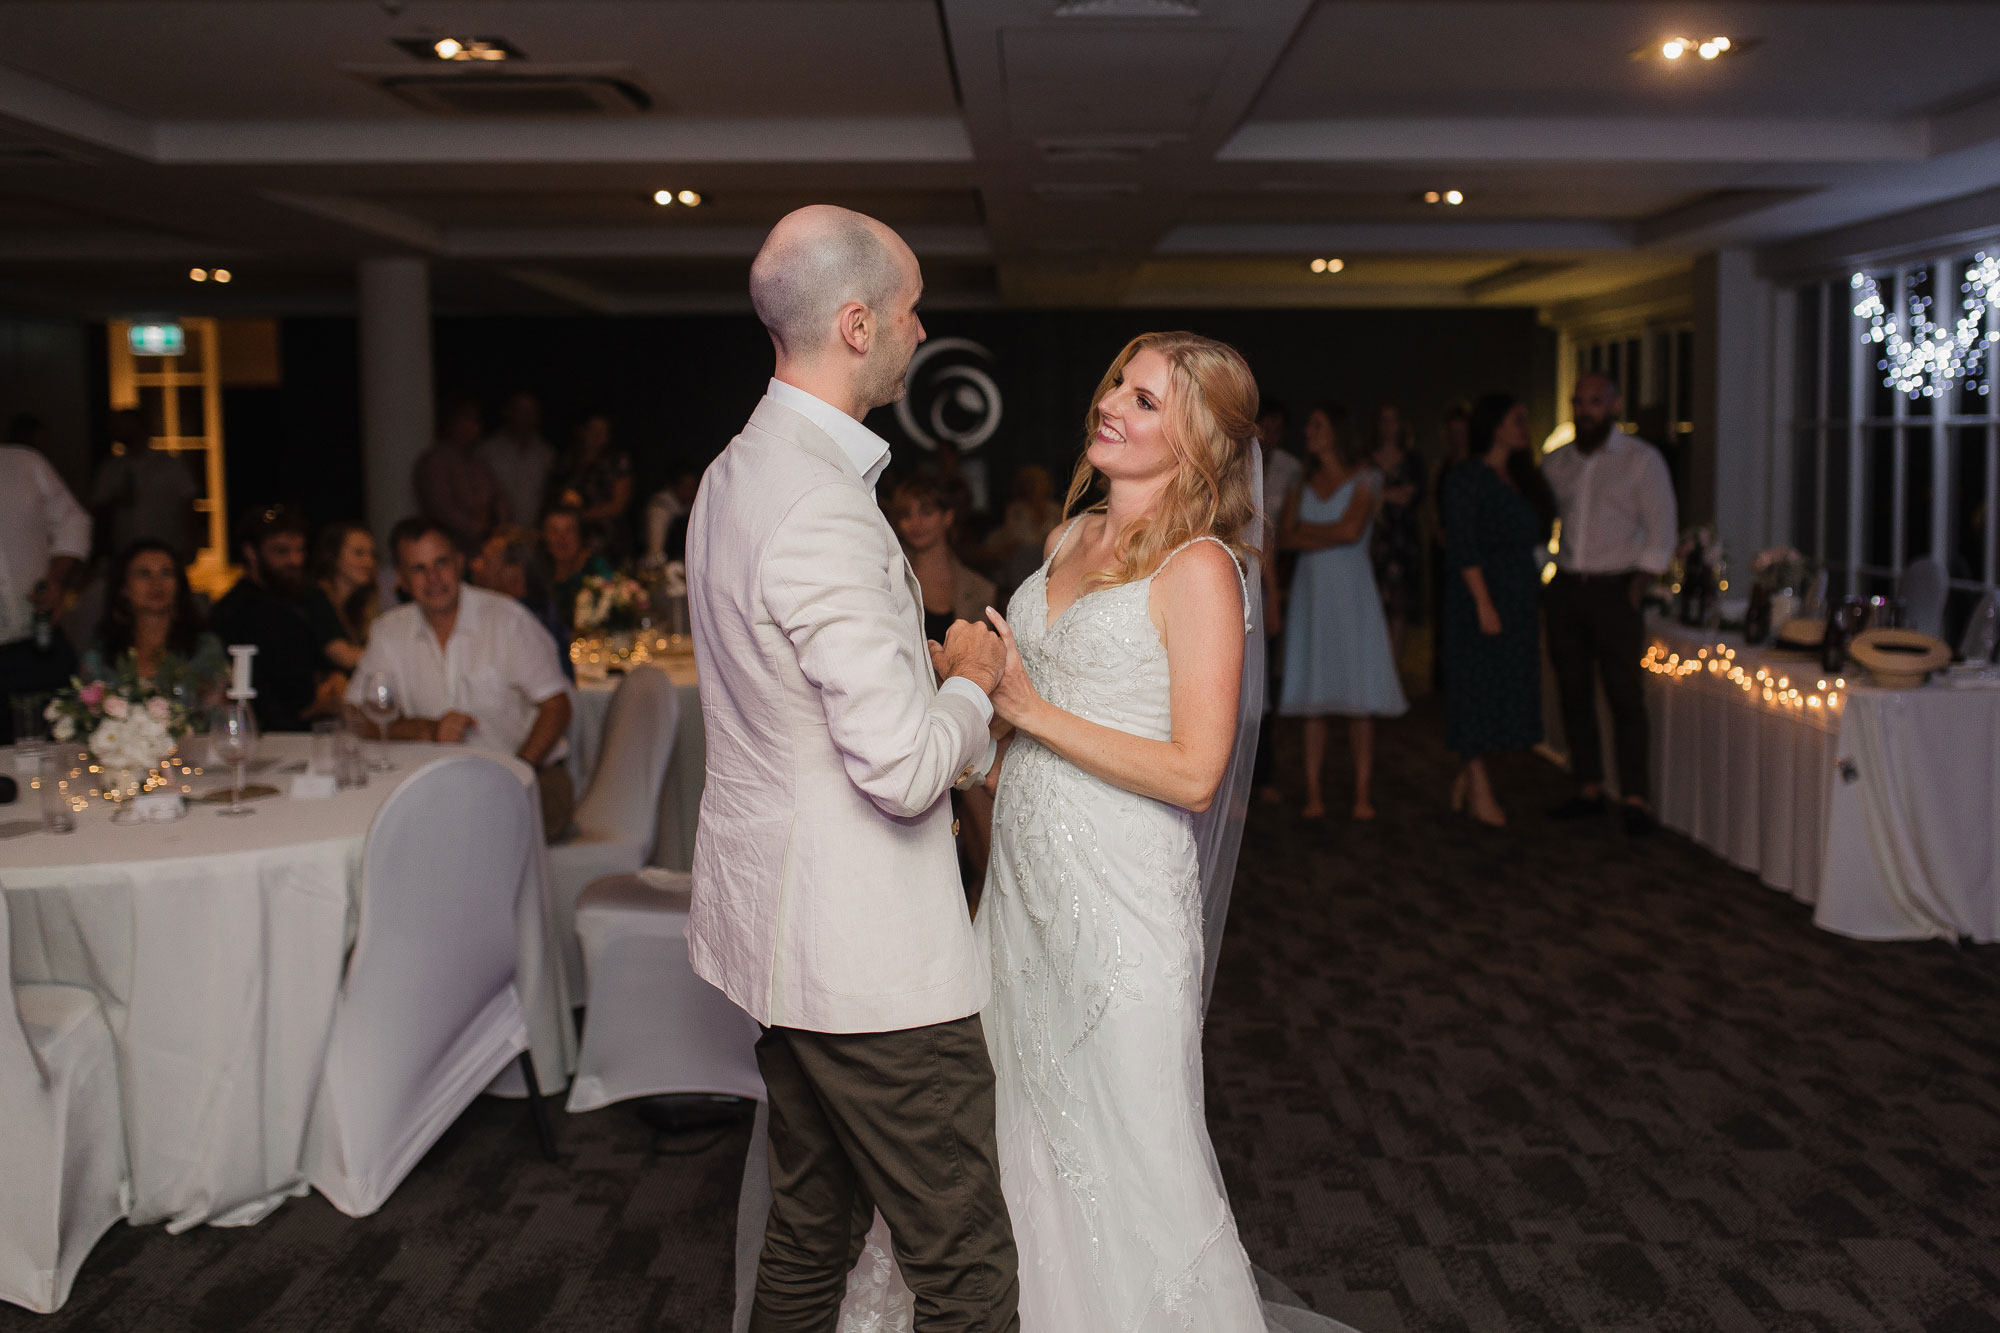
(217, 946)
(1875, 805)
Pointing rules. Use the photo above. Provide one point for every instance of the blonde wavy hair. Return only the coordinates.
(1211, 421)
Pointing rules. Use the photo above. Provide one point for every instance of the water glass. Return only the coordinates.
(31, 729)
(350, 765)
(58, 816)
(380, 706)
(324, 760)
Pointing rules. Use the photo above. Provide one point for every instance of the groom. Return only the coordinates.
(827, 900)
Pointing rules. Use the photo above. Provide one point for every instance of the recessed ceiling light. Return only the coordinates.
(1328, 265)
(1454, 197)
(685, 198)
(222, 275)
(197, 275)
(460, 50)
(1674, 50)
(447, 48)
(1432, 196)
(690, 198)
(1708, 48)
(663, 198)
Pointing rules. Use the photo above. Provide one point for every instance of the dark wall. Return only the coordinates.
(678, 388)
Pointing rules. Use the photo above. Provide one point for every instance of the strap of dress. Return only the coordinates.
(1241, 580)
(1061, 542)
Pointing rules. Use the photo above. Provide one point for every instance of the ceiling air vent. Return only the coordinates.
(518, 94)
(1128, 9)
(1101, 148)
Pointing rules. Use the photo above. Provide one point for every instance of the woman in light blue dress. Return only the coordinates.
(1337, 657)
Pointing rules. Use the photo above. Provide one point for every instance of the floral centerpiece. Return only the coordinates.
(1779, 568)
(616, 604)
(130, 723)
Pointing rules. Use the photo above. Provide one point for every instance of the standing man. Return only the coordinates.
(1616, 504)
(44, 534)
(455, 488)
(520, 459)
(143, 493)
(826, 900)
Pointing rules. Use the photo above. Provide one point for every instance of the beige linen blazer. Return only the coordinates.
(826, 886)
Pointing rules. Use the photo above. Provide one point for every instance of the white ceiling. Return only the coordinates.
(1030, 156)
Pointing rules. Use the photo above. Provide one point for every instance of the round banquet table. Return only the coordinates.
(680, 795)
(216, 947)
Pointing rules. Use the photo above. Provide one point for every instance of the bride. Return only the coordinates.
(1126, 662)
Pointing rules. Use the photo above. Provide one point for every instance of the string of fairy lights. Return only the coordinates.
(1924, 355)
(1824, 697)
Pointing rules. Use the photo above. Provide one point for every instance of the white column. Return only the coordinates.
(1736, 449)
(396, 409)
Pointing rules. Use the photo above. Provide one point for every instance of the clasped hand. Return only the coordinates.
(989, 660)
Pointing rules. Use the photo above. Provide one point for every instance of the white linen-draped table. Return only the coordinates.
(1876, 806)
(680, 794)
(217, 946)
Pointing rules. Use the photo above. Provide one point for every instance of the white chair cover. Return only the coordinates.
(63, 1179)
(428, 1010)
(1923, 591)
(618, 815)
(653, 1026)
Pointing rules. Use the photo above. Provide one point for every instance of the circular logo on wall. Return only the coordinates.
(950, 395)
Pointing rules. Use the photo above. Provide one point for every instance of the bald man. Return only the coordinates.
(1616, 502)
(827, 900)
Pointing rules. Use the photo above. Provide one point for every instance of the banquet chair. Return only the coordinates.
(652, 1025)
(616, 819)
(428, 1011)
(1923, 592)
(63, 1176)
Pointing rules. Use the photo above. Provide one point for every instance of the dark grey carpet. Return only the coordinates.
(1538, 1079)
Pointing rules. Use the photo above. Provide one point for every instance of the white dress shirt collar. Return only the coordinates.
(863, 447)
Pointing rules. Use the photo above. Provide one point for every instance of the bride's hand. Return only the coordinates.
(1014, 697)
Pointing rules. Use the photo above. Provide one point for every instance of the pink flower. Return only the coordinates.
(158, 707)
(92, 694)
(116, 707)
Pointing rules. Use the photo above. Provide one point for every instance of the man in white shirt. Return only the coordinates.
(44, 535)
(1615, 500)
(826, 899)
(520, 459)
(470, 666)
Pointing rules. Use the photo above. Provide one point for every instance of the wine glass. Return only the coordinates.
(378, 705)
(233, 736)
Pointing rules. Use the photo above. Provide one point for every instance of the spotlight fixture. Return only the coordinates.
(1328, 265)
(197, 275)
(1451, 197)
(460, 50)
(685, 198)
(1707, 48)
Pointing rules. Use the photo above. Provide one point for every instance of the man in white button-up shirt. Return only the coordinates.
(826, 898)
(44, 534)
(1616, 502)
(470, 666)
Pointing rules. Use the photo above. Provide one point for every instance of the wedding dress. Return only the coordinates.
(1093, 918)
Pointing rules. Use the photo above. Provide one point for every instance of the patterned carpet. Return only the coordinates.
(1543, 1078)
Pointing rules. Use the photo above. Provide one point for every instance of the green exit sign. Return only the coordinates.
(157, 339)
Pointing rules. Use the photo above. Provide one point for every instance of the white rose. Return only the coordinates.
(115, 706)
(65, 729)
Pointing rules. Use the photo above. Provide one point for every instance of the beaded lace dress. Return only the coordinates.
(1092, 916)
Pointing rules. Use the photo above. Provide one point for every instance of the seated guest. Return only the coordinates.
(571, 561)
(470, 666)
(44, 536)
(595, 479)
(149, 614)
(667, 519)
(343, 598)
(510, 565)
(267, 608)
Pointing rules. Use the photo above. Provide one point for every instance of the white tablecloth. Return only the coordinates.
(216, 946)
(680, 797)
(1877, 806)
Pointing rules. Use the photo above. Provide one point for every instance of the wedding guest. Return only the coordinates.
(44, 537)
(143, 494)
(595, 479)
(926, 509)
(267, 608)
(470, 666)
(343, 597)
(1456, 448)
(570, 562)
(455, 488)
(1497, 510)
(1283, 475)
(149, 612)
(1616, 503)
(520, 459)
(1337, 658)
(667, 518)
(511, 564)
(1397, 547)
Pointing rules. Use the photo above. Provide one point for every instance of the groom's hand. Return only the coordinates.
(972, 651)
